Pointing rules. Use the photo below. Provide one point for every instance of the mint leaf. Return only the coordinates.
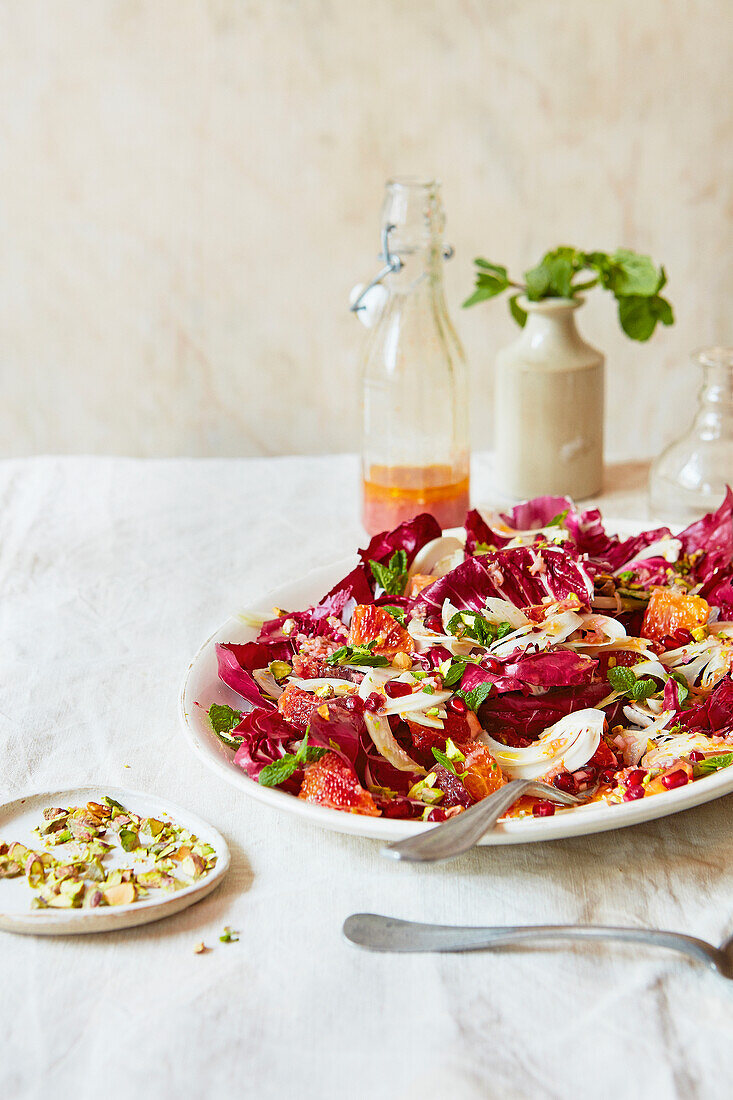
(444, 760)
(272, 775)
(519, 314)
(357, 655)
(638, 315)
(391, 577)
(642, 689)
(454, 675)
(712, 764)
(397, 613)
(632, 274)
(223, 718)
(552, 277)
(476, 696)
(621, 678)
(306, 753)
(491, 279)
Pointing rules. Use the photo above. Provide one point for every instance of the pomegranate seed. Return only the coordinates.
(608, 775)
(635, 777)
(633, 793)
(682, 636)
(434, 623)
(543, 809)
(564, 782)
(675, 779)
(458, 706)
(373, 702)
(695, 756)
(354, 703)
(491, 664)
(395, 690)
(436, 814)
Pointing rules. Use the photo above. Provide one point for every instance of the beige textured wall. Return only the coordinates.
(188, 189)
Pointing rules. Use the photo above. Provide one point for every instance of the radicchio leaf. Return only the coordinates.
(266, 737)
(549, 669)
(714, 714)
(523, 575)
(529, 715)
(410, 536)
(536, 513)
(713, 535)
(234, 670)
(479, 532)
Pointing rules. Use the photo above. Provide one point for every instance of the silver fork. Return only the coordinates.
(378, 933)
(456, 835)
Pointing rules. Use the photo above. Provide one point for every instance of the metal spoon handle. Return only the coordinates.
(458, 834)
(379, 933)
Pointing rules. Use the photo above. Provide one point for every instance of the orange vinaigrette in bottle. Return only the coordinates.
(415, 449)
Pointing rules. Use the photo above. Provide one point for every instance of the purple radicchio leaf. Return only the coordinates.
(410, 536)
(235, 671)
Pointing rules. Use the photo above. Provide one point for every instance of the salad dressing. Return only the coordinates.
(392, 494)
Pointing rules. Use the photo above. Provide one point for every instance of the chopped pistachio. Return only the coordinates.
(153, 826)
(112, 804)
(201, 948)
(129, 839)
(124, 894)
(228, 936)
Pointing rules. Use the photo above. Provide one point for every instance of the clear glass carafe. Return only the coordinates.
(415, 446)
(689, 477)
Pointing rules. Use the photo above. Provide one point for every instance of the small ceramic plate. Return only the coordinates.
(18, 819)
(203, 687)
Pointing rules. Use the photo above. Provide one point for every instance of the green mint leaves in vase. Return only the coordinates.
(634, 280)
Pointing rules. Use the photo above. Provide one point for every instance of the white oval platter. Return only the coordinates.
(202, 687)
(17, 821)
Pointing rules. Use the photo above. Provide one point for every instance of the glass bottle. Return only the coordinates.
(415, 445)
(690, 476)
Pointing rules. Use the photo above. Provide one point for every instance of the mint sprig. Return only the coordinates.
(276, 773)
(476, 696)
(357, 655)
(624, 679)
(471, 625)
(391, 577)
(634, 280)
(223, 719)
(446, 761)
(397, 613)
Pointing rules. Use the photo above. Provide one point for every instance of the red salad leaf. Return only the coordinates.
(536, 513)
(237, 676)
(587, 532)
(714, 714)
(266, 736)
(529, 715)
(524, 575)
(479, 532)
(549, 669)
(341, 731)
(718, 591)
(713, 536)
(410, 536)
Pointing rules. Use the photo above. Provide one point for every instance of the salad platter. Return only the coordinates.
(542, 643)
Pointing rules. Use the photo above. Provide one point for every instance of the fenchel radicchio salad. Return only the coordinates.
(539, 647)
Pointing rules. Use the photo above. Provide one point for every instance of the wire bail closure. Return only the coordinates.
(392, 264)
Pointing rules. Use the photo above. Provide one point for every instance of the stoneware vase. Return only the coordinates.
(549, 407)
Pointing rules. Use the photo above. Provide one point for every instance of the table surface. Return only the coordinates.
(112, 572)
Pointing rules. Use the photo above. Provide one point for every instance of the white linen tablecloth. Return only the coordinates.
(112, 572)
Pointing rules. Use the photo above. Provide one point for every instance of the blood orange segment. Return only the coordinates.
(669, 611)
(482, 775)
(331, 782)
(297, 705)
(374, 624)
(418, 581)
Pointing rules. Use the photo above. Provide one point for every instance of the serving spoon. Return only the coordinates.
(379, 933)
(456, 835)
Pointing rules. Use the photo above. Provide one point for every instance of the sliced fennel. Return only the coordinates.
(568, 743)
